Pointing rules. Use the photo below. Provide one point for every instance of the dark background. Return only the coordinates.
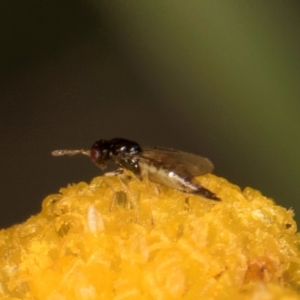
(216, 78)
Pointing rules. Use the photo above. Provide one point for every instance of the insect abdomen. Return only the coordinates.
(174, 181)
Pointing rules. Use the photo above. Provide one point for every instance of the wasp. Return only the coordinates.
(165, 166)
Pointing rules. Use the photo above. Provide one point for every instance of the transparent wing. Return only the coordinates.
(177, 161)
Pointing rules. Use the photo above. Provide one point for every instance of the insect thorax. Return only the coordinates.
(124, 153)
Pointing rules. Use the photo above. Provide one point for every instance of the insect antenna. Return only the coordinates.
(70, 152)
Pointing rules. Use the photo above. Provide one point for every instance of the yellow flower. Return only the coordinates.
(108, 240)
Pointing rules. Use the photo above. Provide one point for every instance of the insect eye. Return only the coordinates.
(95, 154)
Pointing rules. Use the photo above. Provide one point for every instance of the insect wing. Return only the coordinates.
(177, 161)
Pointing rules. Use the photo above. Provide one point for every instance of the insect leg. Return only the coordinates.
(120, 174)
(114, 173)
(145, 178)
(131, 197)
(109, 183)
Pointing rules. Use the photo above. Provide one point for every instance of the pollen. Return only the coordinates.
(107, 240)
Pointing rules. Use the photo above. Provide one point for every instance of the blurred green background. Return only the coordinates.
(216, 78)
